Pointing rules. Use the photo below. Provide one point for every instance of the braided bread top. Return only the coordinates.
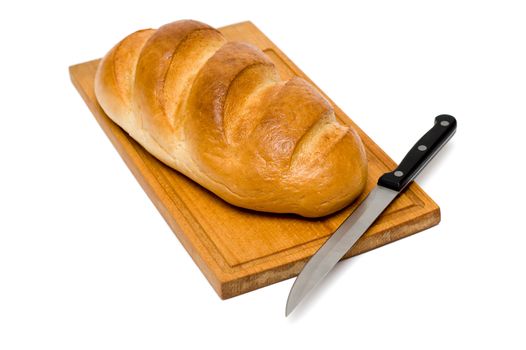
(219, 113)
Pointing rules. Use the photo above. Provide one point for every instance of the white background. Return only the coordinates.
(86, 261)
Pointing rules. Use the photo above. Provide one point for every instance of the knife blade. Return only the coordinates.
(387, 189)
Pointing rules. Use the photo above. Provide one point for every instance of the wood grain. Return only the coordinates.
(240, 250)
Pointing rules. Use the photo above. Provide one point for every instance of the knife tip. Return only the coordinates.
(289, 308)
(293, 299)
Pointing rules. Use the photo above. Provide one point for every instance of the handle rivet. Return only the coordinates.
(444, 123)
(398, 173)
(422, 148)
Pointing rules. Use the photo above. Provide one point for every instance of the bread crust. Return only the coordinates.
(219, 113)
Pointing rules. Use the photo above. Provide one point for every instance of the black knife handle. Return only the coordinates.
(421, 153)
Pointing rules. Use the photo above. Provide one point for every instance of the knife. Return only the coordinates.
(388, 187)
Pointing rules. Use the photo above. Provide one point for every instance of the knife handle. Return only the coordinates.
(421, 153)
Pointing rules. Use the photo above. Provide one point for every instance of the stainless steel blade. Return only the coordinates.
(338, 244)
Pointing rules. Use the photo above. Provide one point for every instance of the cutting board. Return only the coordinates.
(240, 250)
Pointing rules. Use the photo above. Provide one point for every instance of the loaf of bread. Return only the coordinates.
(218, 112)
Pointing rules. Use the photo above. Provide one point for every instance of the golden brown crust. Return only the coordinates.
(219, 113)
(114, 81)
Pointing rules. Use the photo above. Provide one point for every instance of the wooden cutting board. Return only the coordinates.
(240, 250)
